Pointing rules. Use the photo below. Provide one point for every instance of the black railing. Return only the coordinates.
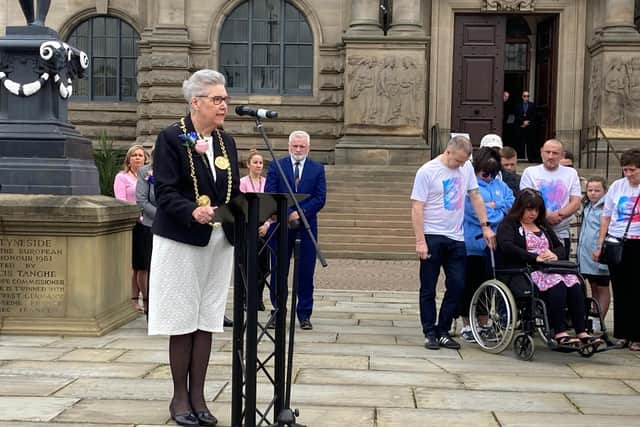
(591, 140)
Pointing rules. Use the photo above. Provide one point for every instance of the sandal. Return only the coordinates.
(567, 340)
(136, 305)
(634, 346)
(623, 343)
(593, 341)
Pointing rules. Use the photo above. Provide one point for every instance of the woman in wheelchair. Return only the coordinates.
(525, 239)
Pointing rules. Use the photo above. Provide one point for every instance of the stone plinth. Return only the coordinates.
(65, 264)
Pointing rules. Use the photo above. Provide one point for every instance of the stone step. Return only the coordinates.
(400, 217)
(377, 198)
(389, 232)
(366, 208)
(381, 239)
(349, 223)
(398, 256)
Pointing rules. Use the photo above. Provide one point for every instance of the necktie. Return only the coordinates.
(296, 174)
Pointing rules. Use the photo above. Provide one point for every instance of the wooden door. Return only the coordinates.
(546, 69)
(478, 75)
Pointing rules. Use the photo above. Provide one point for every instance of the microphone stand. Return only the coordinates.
(287, 416)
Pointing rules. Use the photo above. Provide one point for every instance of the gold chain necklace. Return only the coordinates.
(204, 200)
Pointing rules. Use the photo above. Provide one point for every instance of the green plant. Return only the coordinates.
(108, 161)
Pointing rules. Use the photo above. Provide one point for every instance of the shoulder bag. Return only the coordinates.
(612, 247)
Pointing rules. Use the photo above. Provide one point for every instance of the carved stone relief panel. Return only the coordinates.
(620, 99)
(509, 5)
(595, 91)
(385, 90)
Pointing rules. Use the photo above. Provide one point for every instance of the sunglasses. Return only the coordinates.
(488, 175)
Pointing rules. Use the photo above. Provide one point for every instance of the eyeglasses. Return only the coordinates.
(488, 175)
(217, 100)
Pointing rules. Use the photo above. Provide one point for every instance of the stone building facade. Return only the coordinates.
(381, 74)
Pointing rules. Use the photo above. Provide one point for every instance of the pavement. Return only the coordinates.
(363, 365)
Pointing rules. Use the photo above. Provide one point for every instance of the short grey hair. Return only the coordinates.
(460, 142)
(299, 134)
(197, 84)
(554, 141)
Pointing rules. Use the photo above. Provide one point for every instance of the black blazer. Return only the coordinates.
(513, 248)
(174, 186)
(521, 116)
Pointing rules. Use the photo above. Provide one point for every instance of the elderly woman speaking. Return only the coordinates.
(195, 170)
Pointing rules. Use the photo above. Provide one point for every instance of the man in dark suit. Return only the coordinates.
(305, 176)
(527, 145)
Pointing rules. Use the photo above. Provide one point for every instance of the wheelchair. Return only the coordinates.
(500, 316)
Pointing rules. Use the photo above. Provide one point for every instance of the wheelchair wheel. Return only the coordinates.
(587, 351)
(523, 347)
(493, 316)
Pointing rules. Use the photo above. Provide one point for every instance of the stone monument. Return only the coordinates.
(64, 250)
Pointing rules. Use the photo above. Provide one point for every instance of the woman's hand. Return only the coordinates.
(262, 230)
(595, 255)
(204, 214)
(546, 256)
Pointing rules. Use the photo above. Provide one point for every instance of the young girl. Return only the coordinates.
(595, 273)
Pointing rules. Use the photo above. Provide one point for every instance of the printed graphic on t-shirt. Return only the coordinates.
(624, 206)
(554, 194)
(452, 193)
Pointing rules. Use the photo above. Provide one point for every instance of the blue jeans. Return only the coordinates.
(451, 255)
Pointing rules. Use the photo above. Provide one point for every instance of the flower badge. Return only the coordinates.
(194, 141)
(149, 176)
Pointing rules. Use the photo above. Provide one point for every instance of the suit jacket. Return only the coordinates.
(146, 195)
(521, 116)
(174, 186)
(312, 182)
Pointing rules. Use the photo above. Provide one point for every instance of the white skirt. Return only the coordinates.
(188, 285)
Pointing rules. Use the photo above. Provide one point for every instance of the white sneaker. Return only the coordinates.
(467, 334)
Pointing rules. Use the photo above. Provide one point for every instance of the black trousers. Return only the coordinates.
(626, 293)
(560, 297)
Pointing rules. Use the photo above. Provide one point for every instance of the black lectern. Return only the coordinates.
(247, 211)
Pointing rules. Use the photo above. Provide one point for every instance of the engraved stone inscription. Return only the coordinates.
(33, 275)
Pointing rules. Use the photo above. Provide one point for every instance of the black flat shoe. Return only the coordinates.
(227, 322)
(206, 418)
(188, 419)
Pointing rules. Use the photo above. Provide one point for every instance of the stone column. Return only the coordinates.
(619, 15)
(365, 18)
(613, 98)
(163, 65)
(406, 17)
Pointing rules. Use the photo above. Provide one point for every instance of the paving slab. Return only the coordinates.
(504, 366)
(380, 378)
(33, 408)
(564, 420)
(415, 322)
(92, 355)
(77, 369)
(30, 353)
(365, 339)
(27, 340)
(303, 395)
(635, 384)
(375, 350)
(28, 424)
(391, 417)
(471, 400)
(84, 342)
(117, 411)
(623, 372)
(376, 322)
(544, 384)
(20, 385)
(133, 389)
(605, 404)
(403, 364)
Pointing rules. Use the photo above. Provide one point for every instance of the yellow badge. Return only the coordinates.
(203, 200)
(221, 162)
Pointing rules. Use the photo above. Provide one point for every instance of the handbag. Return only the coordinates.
(612, 247)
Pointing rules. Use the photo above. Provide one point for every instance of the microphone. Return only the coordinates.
(261, 113)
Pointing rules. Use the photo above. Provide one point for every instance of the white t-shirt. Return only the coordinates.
(556, 186)
(442, 190)
(618, 203)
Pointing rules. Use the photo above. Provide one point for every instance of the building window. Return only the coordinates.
(266, 46)
(112, 47)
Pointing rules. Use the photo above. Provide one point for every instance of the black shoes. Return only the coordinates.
(431, 343)
(206, 418)
(186, 419)
(227, 322)
(447, 342)
(306, 325)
